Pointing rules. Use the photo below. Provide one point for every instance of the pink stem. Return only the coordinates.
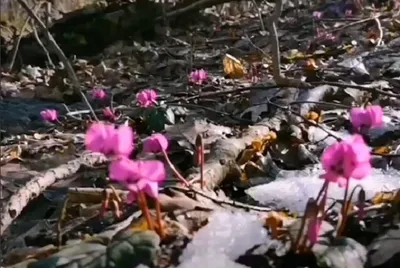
(177, 174)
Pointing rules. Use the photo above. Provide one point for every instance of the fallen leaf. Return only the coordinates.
(245, 156)
(382, 150)
(233, 67)
(383, 197)
(311, 65)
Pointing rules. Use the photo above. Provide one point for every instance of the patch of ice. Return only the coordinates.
(226, 234)
(293, 191)
(210, 260)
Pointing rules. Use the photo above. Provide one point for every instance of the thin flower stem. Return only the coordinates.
(116, 211)
(324, 188)
(177, 174)
(145, 209)
(302, 225)
(200, 158)
(344, 209)
(159, 220)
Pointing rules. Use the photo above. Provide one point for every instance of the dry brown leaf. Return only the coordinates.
(311, 65)
(258, 145)
(233, 67)
(382, 150)
(15, 153)
(312, 116)
(383, 197)
(246, 156)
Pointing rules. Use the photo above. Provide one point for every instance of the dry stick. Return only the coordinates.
(18, 41)
(53, 44)
(276, 57)
(232, 203)
(35, 33)
(259, 15)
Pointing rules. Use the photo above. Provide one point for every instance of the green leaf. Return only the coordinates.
(156, 119)
(127, 249)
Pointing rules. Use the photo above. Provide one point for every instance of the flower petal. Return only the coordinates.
(121, 170)
(358, 117)
(149, 187)
(152, 170)
(122, 141)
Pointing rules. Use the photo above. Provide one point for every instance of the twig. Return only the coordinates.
(197, 5)
(259, 15)
(378, 24)
(18, 41)
(360, 87)
(35, 33)
(225, 202)
(53, 44)
(276, 56)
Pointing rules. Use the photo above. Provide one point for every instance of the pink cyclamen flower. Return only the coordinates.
(346, 159)
(98, 94)
(314, 226)
(138, 175)
(348, 13)
(98, 137)
(50, 115)
(198, 76)
(371, 116)
(317, 14)
(123, 141)
(104, 138)
(147, 176)
(109, 113)
(155, 143)
(121, 170)
(147, 98)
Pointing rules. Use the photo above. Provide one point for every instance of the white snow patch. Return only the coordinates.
(226, 237)
(293, 192)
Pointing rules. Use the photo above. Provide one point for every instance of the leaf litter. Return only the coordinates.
(260, 142)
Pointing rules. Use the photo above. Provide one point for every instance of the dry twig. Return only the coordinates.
(53, 44)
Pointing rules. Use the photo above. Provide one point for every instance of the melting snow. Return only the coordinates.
(210, 260)
(293, 191)
(226, 237)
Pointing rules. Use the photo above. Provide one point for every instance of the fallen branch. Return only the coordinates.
(36, 185)
(224, 152)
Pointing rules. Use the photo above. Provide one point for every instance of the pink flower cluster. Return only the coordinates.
(98, 94)
(371, 116)
(147, 98)
(50, 115)
(198, 77)
(118, 142)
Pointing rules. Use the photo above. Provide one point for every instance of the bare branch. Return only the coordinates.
(53, 44)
